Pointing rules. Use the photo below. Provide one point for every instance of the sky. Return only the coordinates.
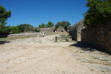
(35, 12)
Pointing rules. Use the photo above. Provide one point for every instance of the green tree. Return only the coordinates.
(14, 29)
(50, 24)
(4, 15)
(99, 12)
(64, 24)
(25, 28)
(42, 25)
(37, 29)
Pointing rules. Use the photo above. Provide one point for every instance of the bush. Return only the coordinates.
(42, 25)
(14, 29)
(37, 29)
(25, 28)
(64, 24)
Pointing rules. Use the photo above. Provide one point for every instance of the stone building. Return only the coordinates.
(47, 29)
(52, 29)
(60, 29)
(75, 31)
(98, 37)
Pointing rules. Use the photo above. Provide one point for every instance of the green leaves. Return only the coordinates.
(64, 24)
(14, 29)
(50, 24)
(42, 25)
(4, 15)
(99, 12)
(25, 28)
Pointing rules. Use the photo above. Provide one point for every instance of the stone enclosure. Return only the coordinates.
(97, 37)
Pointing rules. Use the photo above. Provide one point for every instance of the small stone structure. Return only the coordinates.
(47, 29)
(52, 29)
(60, 29)
(75, 31)
(63, 38)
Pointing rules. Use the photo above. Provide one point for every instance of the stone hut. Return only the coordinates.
(47, 29)
(60, 29)
(75, 31)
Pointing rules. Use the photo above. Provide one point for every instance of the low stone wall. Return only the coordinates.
(23, 34)
(100, 37)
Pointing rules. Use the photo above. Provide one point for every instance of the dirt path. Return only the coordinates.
(44, 56)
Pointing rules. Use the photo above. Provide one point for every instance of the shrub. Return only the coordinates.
(14, 29)
(25, 28)
(37, 29)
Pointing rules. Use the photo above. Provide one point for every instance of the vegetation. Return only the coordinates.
(64, 24)
(4, 15)
(50, 24)
(37, 29)
(99, 13)
(13, 29)
(42, 25)
(5, 30)
(25, 28)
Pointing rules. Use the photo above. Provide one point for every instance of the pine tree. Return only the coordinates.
(3, 17)
(99, 12)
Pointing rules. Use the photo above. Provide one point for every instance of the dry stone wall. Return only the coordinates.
(75, 31)
(99, 37)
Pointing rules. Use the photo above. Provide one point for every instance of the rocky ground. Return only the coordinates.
(42, 55)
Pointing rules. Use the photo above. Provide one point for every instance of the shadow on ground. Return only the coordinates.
(89, 47)
(3, 42)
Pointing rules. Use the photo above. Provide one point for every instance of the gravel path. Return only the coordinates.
(44, 56)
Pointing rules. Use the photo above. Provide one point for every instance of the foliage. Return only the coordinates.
(4, 15)
(25, 28)
(64, 24)
(37, 29)
(14, 29)
(42, 25)
(99, 12)
(50, 24)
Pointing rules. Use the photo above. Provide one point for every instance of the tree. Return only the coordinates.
(25, 28)
(50, 24)
(4, 15)
(14, 29)
(37, 29)
(64, 24)
(99, 13)
(42, 25)
(58, 25)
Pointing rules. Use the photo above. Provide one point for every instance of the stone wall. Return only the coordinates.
(75, 31)
(47, 29)
(99, 37)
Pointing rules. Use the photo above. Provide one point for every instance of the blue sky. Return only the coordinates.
(36, 12)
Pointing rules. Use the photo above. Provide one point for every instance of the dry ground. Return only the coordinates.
(44, 56)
